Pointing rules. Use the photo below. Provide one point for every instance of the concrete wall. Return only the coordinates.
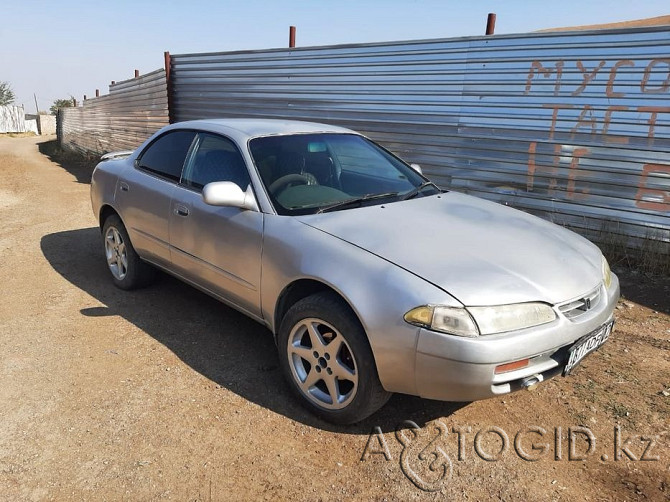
(43, 123)
(46, 124)
(30, 125)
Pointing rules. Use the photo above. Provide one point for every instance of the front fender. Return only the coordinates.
(379, 292)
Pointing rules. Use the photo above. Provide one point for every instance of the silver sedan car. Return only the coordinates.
(372, 279)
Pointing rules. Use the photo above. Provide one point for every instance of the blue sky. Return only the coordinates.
(59, 48)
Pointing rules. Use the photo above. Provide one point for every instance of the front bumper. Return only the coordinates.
(453, 368)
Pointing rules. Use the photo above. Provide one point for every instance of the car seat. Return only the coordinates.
(221, 165)
(293, 163)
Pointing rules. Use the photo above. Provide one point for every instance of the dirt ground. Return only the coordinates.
(165, 393)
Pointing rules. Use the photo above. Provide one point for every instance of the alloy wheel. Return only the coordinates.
(116, 253)
(322, 364)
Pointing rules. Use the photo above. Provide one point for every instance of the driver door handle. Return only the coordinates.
(180, 210)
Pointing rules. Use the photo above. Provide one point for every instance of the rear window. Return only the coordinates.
(165, 156)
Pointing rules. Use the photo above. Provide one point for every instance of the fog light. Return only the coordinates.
(504, 368)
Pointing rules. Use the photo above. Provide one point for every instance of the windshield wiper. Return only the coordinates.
(415, 191)
(358, 200)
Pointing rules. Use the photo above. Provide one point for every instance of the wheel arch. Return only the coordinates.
(105, 212)
(302, 288)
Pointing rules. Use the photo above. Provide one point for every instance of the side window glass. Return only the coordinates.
(216, 159)
(165, 156)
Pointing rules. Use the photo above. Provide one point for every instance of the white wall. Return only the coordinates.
(12, 119)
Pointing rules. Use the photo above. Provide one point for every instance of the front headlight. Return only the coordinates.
(451, 320)
(607, 273)
(503, 318)
(475, 321)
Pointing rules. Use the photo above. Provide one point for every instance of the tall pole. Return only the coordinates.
(37, 108)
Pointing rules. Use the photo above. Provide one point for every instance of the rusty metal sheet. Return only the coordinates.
(132, 111)
(572, 126)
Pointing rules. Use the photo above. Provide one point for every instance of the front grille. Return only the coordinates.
(580, 306)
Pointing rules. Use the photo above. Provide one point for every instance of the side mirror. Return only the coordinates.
(227, 193)
(417, 168)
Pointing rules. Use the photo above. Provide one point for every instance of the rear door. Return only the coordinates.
(218, 248)
(144, 193)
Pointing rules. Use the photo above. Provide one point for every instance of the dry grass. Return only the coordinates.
(654, 256)
(651, 255)
(17, 134)
(53, 149)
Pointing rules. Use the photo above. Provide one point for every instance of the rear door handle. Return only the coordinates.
(180, 210)
(124, 186)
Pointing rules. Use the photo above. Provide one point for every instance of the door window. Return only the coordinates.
(216, 159)
(165, 156)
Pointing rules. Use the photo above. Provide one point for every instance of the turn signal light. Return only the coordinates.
(504, 368)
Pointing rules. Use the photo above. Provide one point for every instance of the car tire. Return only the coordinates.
(126, 267)
(325, 356)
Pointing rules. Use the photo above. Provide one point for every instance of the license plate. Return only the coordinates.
(587, 344)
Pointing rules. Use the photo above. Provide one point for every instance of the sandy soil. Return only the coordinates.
(166, 394)
(635, 23)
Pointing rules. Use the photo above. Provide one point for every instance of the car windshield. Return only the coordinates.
(310, 173)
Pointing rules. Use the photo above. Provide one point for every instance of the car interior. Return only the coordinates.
(306, 170)
(216, 159)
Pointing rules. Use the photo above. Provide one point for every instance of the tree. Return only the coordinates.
(61, 103)
(6, 94)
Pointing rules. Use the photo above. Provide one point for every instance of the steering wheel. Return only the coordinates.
(286, 180)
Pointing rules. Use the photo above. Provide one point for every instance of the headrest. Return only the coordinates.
(320, 165)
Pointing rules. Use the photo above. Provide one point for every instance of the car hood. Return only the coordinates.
(480, 252)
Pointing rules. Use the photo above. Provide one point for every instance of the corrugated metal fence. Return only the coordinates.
(132, 111)
(572, 126)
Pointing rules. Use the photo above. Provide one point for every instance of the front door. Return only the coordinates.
(218, 248)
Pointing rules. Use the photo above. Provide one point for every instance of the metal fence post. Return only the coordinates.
(168, 84)
(491, 24)
(291, 36)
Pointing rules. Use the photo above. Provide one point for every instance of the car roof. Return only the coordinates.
(250, 128)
